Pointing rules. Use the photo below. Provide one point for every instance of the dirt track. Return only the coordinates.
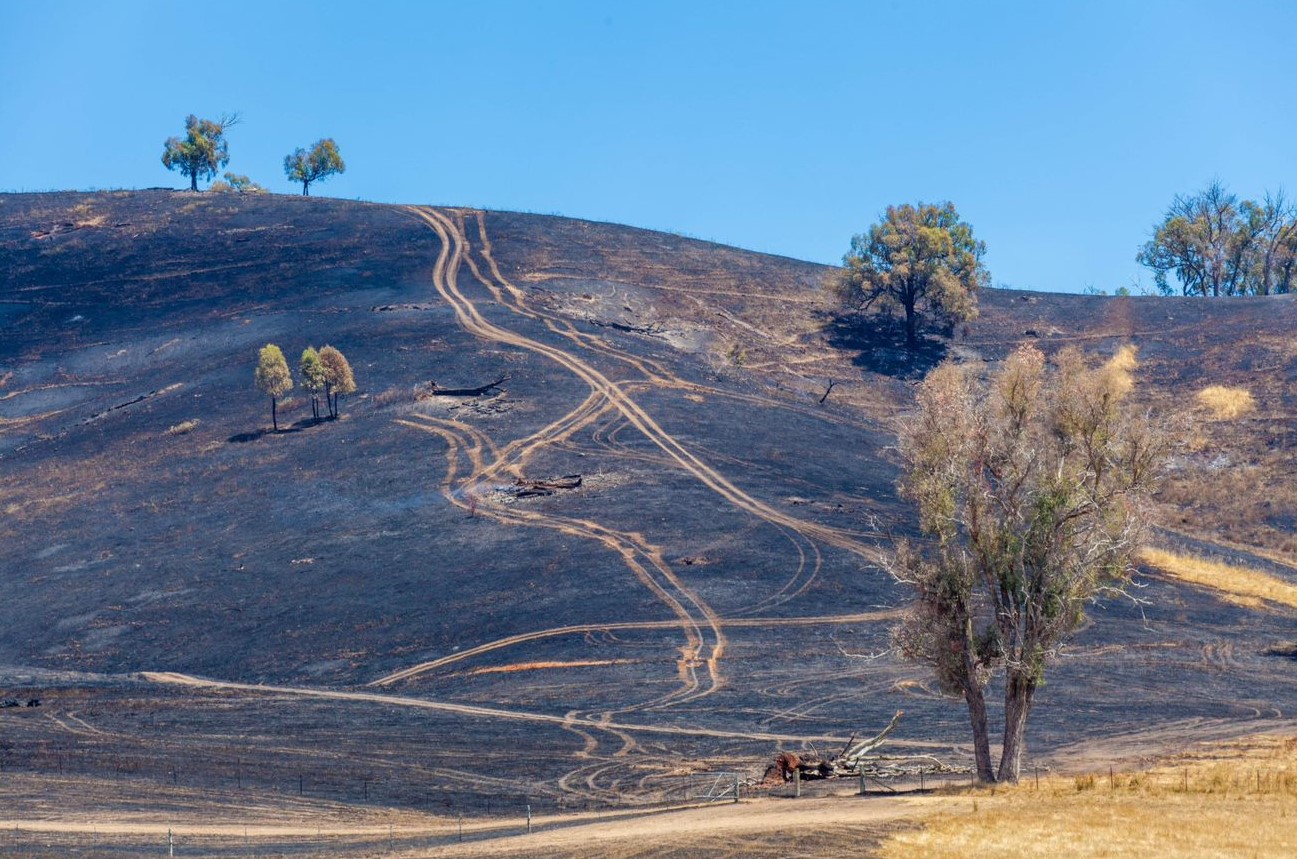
(745, 827)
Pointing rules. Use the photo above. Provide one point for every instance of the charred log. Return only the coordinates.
(432, 389)
(539, 488)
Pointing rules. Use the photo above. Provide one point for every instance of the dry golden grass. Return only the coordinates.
(1239, 585)
(1226, 404)
(1240, 800)
(183, 427)
(542, 666)
(1119, 368)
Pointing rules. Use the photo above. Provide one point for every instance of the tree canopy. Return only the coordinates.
(314, 378)
(921, 259)
(1032, 490)
(1212, 244)
(202, 151)
(314, 165)
(338, 379)
(272, 378)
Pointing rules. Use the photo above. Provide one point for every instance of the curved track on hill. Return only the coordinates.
(173, 678)
(705, 639)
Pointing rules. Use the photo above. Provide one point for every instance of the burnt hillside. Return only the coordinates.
(707, 586)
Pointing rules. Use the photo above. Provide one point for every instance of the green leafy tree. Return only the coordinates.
(1212, 244)
(920, 259)
(338, 378)
(314, 165)
(202, 151)
(311, 371)
(273, 378)
(1032, 491)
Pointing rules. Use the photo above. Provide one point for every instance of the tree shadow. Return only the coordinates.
(878, 339)
(299, 426)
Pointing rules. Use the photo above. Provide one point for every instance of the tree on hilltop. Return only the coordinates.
(314, 165)
(338, 379)
(1212, 244)
(921, 259)
(314, 379)
(272, 378)
(1032, 491)
(202, 151)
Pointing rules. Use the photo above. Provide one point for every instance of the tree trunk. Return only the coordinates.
(274, 414)
(981, 733)
(911, 326)
(1018, 693)
(975, 697)
(306, 189)
(193, 181)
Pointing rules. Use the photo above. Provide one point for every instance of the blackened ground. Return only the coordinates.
(152, 523)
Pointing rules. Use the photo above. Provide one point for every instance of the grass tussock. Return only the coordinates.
(392, 396)
(1226, 404)
(1119, 369)
(1239, 800)
(184, 427)
(1239, 585)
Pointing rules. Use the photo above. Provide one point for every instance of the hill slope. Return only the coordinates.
(708, 591)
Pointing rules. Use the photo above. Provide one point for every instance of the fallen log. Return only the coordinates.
(536, 488)
(435, 390)
(813, 766)
(851, 755)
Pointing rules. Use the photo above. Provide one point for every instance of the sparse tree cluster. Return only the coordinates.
(922, 260)
(1213, 244)
(326, 370)
(204, 150)
(1032, 488)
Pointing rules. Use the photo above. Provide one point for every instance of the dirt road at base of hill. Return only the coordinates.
(679, 832)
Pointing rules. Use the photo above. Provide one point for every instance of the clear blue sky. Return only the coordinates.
(1060, 130)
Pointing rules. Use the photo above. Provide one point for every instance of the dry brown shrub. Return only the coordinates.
(392, 396)
(183, 427)
(1226, 404)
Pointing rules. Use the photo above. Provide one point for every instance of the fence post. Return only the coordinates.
(862, 780)
(736, 787)
(171, 843)
(528, 819)
(797, 782)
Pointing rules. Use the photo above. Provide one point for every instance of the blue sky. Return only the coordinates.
(1060, 130)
